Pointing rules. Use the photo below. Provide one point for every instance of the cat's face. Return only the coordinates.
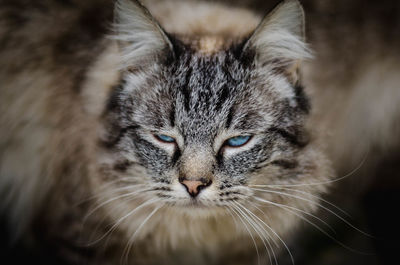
(209, 132)
(212, 121)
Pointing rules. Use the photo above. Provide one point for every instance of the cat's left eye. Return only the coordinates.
(238, 141)
(164, 138)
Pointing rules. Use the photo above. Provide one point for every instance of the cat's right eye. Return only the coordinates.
(165, 138)
(238, 141)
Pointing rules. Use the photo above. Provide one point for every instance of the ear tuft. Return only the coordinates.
(280, 37)
(140, 37)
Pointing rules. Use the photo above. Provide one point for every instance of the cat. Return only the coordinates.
(184, 134)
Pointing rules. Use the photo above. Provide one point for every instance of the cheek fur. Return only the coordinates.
(156, 159)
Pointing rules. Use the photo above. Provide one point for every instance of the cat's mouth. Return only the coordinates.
(197, 208)
(194, 203)
(197, 203)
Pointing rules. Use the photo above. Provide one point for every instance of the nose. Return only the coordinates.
(194, 187)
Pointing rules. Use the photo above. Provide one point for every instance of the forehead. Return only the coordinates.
(206, 87)
(202, 93)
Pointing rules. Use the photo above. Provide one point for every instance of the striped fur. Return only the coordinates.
(80, 149)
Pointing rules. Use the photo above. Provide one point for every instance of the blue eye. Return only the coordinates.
(238, 140)
(165, 138)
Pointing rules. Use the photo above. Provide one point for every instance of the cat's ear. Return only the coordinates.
(141, 39)
(279, 40)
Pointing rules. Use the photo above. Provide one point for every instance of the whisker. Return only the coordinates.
(323, 182)
(111, 200)
(122, 219)
(120, 179)
(290, 209)
(92, 197)
(259, 230)
(259, 219)
(320, 205)
(125, 255)
(273, 231)
(131, 196)
(314, 225)
(248, 230)
(317, 197)
(233, 217)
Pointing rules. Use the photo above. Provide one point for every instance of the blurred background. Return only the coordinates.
(371, 195)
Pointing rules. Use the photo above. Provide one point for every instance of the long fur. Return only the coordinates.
(73, 146)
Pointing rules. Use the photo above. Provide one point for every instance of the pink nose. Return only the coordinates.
(194, 187)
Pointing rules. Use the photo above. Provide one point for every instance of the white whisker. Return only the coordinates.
(294, 210)
(249, 231)
(322, 182)
(273, 231)
(318, 204)
(317, 197)
(113, 199)
(104, 188)
(132, 238)
(233, 217)
(314, 225)
(259, 230)
(123, 218)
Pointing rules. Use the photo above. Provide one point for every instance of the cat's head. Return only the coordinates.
(210, 131)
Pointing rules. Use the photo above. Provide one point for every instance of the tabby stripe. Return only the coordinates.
(286, 164)
(223, 96)
(291, 138)
(302, 99)
(172, 116)
(185, 90)
(111, 144)
(176, 156)
(122, 166)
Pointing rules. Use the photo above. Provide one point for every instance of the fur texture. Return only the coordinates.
(99, 187)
